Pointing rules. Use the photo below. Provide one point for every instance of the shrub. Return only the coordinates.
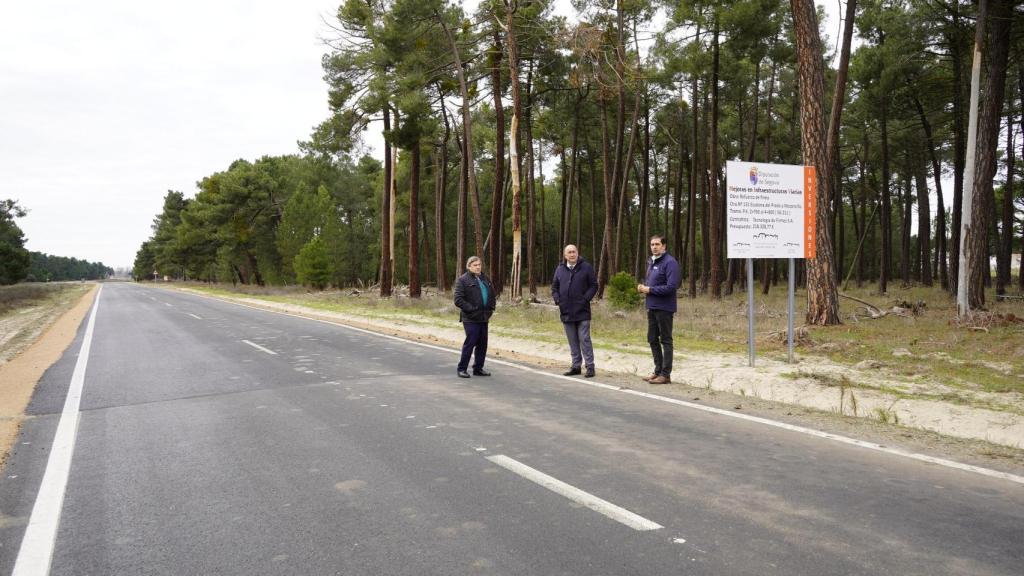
(622, 291)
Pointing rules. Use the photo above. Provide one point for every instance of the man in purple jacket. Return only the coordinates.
(660, 287)
(572, 289)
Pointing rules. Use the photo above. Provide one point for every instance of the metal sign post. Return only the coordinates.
(750, 308)
(770, 213)
(792, 291)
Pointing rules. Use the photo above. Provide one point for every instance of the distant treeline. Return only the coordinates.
(47, 268)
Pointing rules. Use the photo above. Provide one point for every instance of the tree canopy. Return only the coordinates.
(616, 124)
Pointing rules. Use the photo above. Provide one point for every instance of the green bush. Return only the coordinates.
(622, 292)
(312, 266)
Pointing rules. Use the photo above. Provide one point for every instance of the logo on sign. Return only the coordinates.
(753, 175)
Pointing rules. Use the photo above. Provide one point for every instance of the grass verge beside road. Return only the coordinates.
(39, 322)
(920, 341)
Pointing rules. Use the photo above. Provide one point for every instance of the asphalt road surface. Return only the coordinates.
(218, 439)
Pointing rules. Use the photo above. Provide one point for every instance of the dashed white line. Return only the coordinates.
(168, 304)
(258, 347)
(617, 513)
(774, 423)
(194, 316)
(36, 550)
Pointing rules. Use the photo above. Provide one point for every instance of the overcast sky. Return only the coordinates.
(108, 105)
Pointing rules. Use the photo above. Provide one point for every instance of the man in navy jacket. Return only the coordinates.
(660, 287)
(572, 289)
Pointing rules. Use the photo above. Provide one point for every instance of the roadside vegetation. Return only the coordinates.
(26, 310)
(918, 340)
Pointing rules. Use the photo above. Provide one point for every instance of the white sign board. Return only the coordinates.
(770, 210)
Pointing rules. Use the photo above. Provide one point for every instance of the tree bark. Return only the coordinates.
(439, 202)
(531, 205)
(822, 296)
(516, 293)
(988, 134)
(905, 210)
(467, 137)
(940, 220)
(886, 216)
(385, 213)
(715, 201)
(924, 218)
(645, 190)
(606, 240)
(959, 149)
(414, 239)
(1006, 242)
(497, 199)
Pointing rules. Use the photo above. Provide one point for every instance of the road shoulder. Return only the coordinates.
(21, 374)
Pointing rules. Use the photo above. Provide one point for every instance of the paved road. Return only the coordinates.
(218, 439)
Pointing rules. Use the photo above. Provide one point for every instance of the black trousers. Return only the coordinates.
(475, 344)
(659, 336)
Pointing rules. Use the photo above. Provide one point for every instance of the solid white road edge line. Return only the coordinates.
(258, 347)
(41, 534)
(617, 513)
(791, 427)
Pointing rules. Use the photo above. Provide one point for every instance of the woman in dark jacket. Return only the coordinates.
(475, 298)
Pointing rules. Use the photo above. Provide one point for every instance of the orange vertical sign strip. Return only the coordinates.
(810, 211)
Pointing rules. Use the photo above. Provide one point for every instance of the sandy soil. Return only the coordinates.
(863, 394)
(43, 333)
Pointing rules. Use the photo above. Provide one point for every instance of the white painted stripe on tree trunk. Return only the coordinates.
(36, 550)
(799, 429)
(617, 513)
(258, 347)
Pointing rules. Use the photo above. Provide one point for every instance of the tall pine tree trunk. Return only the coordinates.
(998, 52)
(531, 204)
(440, 191)
(385, 213)
(493, 263)
(1006, 242)
(715, 193)
(940, 218)
(517, 234)
(414, 239)
(959, 148)
(469, 168)
(822, 296)
(924, 218)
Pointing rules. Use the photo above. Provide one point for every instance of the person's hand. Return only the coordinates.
(642, 289)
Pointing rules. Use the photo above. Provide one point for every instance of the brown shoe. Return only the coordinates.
(661, 380)
(649, 378)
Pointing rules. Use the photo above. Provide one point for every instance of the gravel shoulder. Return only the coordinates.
(31, 340)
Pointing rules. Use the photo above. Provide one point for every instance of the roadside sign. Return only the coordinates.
(770, 210)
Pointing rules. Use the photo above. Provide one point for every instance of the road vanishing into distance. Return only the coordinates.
(213, 438)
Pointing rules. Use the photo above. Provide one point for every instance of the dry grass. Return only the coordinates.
(20, 296)
(26, 310)
(986, 354)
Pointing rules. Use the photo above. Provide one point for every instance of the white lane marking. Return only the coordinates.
(258, 347)
(617, 513)
(36, 550)
(792, 428)
(168, 304)
(194, 316)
